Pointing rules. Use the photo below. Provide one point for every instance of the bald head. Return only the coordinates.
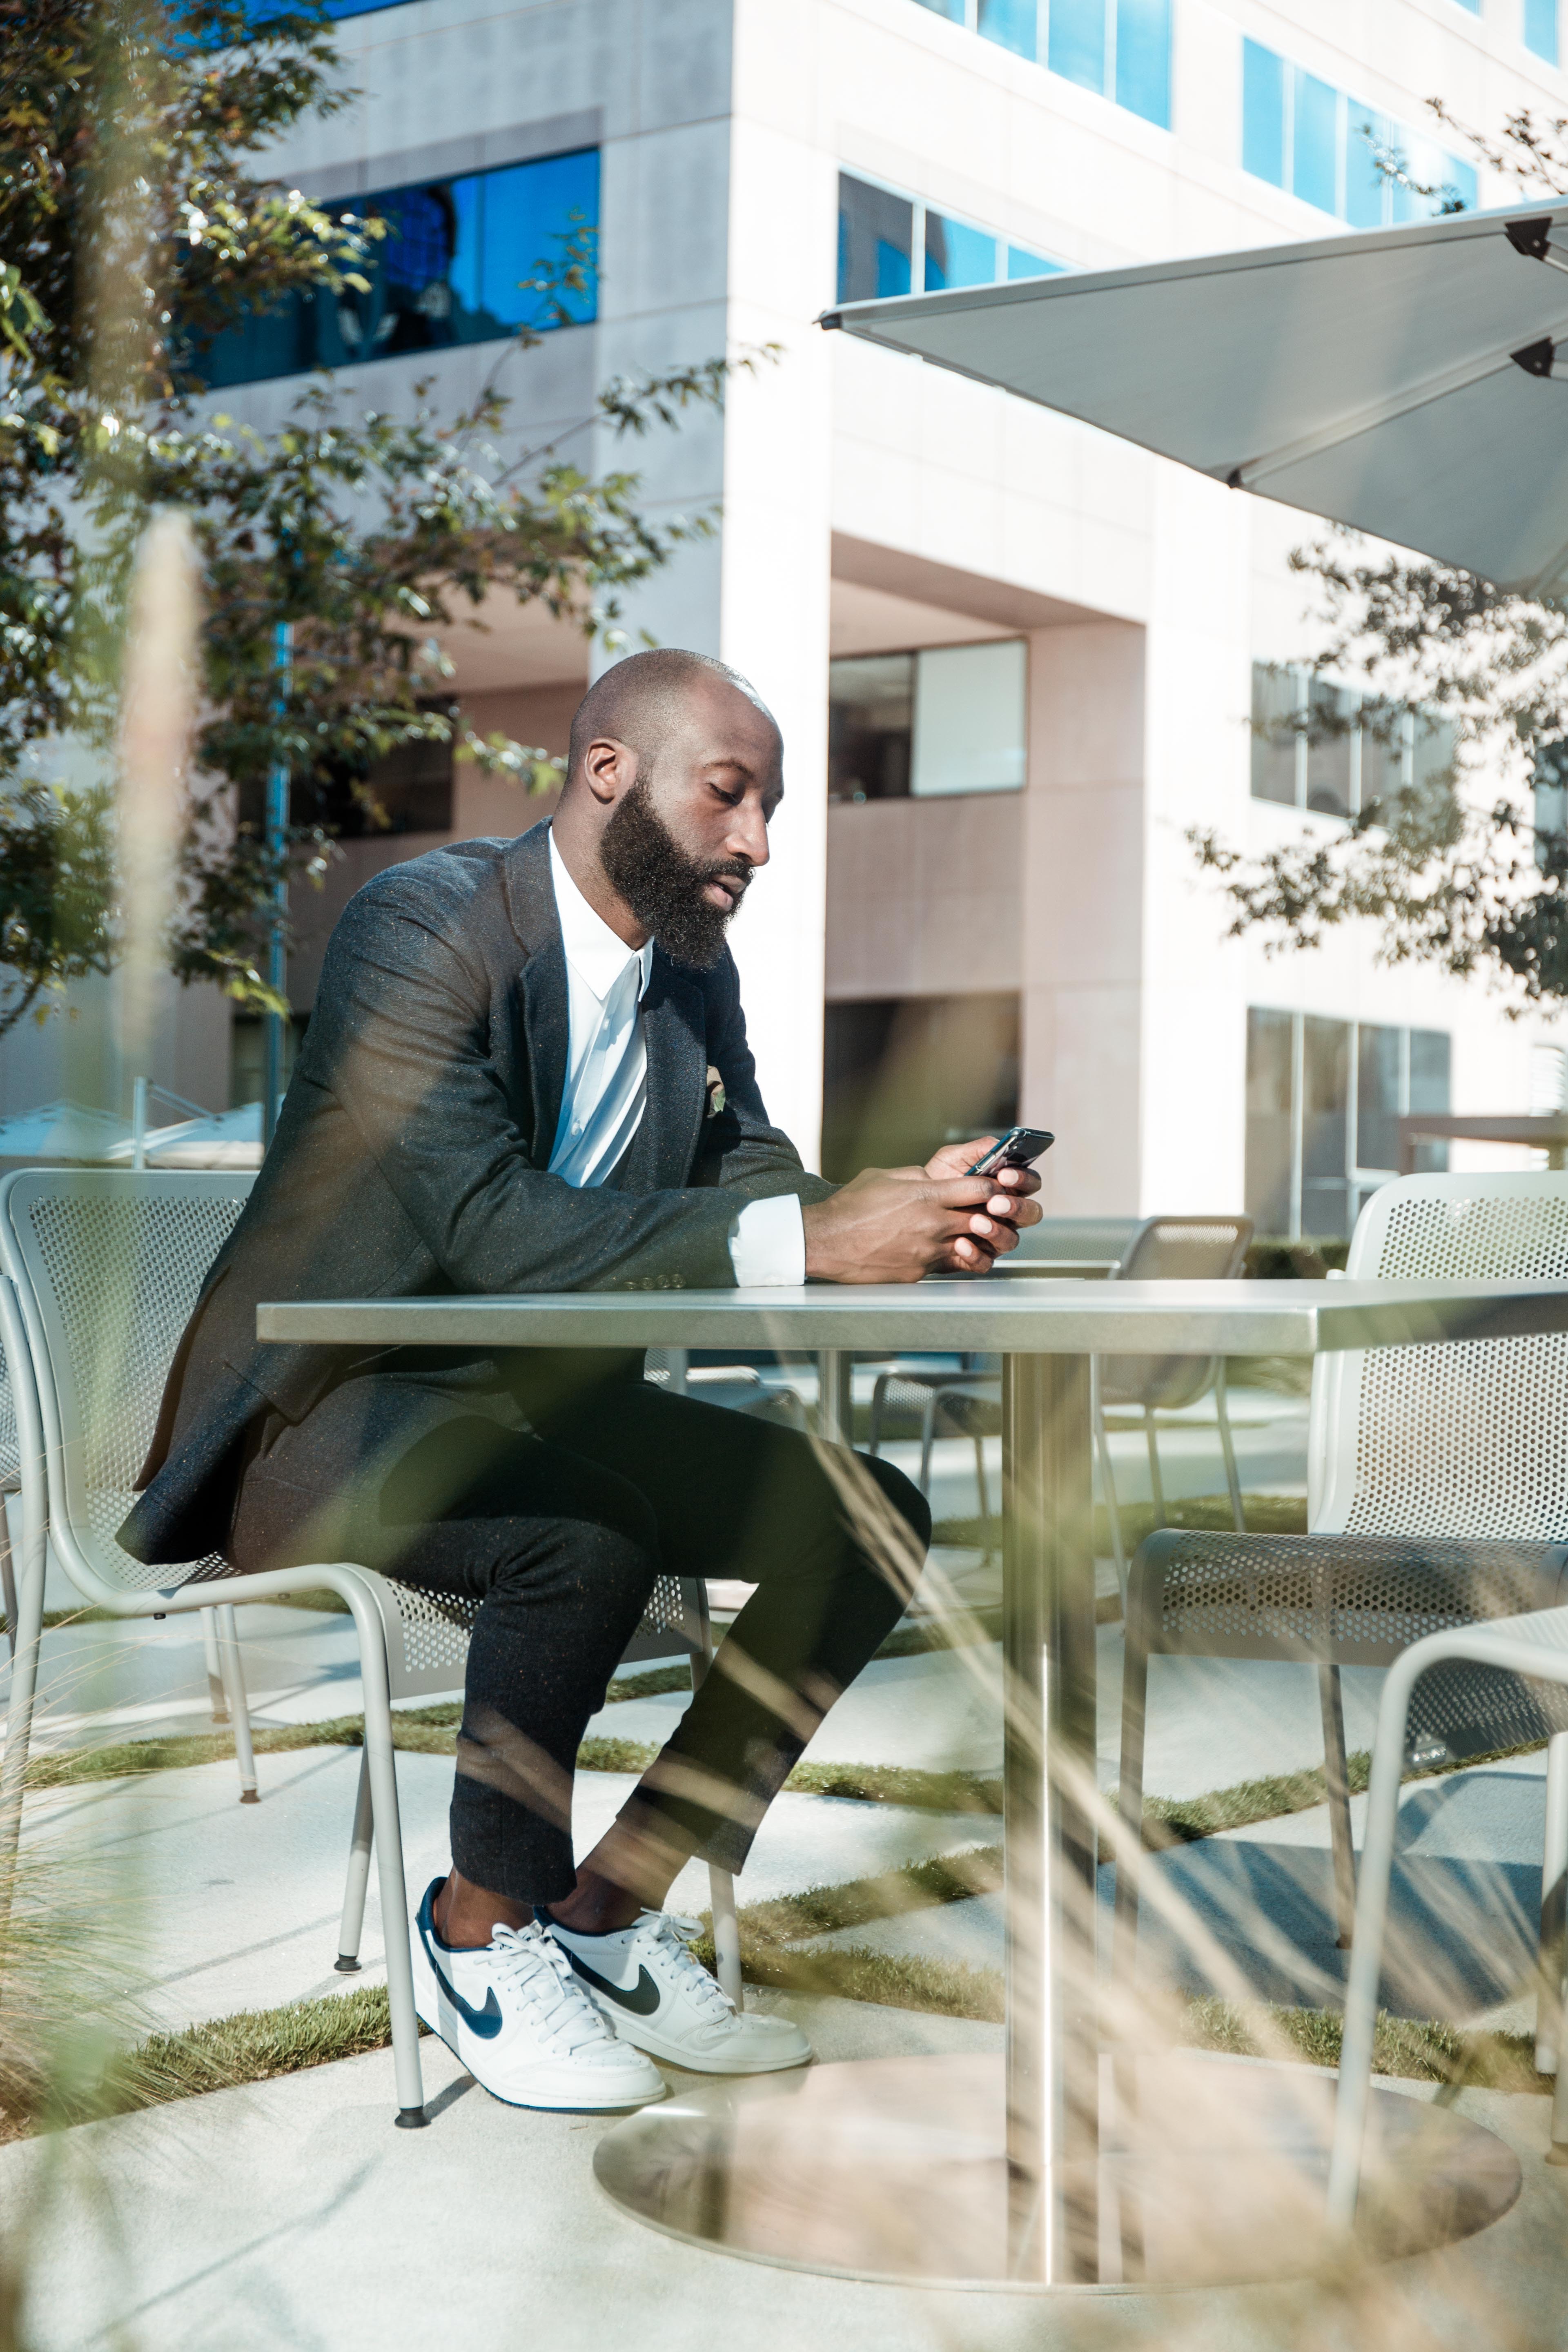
(675, 769)
(642, 699)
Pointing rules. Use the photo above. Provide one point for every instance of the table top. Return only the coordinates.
(1041, 1318)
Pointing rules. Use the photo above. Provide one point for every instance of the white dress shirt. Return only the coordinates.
(605, 1094)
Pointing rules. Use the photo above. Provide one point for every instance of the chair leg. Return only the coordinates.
(1366, 1953)
(982, 1487)
(233, 1670)
(216, 1694)
(1553, 1909)
(1155, 1488)
(382, 1771)
(353, 1921)
(19, 1711)
(1136, 1616)
(1108, 1480)
(1227, 1446)
(1336, 1777)
(878, 1403)
(928, 1437)
(726, 1934)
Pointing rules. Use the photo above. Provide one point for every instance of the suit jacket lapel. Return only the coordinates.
(531, 902)
(675, 1031)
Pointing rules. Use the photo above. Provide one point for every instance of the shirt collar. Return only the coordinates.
(595, 953)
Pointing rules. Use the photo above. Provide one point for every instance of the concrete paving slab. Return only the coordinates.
(291, 2216)
(210, 1906)
(1464, 1911)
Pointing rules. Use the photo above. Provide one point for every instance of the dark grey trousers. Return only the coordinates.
(560, 1513)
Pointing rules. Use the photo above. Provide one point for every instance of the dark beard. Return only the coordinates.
(662, 885)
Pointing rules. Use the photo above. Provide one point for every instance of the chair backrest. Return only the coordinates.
(108, 1266)
(1468, 1441)
(1173, 1249)
(1093, 1239)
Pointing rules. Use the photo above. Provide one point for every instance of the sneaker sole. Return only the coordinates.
(697, 2063)
(546, 2103)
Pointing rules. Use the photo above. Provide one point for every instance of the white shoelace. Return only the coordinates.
(674, 1934)
(539, 1972)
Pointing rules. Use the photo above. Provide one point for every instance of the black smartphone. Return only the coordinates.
(1017, 1148)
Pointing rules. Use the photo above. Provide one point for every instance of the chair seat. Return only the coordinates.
(1350, 1600)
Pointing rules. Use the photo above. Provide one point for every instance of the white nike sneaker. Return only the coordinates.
(520, 2022)
(656, 1995)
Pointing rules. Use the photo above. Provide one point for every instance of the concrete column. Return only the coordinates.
(777, 531)
(1081, 923)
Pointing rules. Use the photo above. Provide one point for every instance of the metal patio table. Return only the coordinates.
(980, 2200)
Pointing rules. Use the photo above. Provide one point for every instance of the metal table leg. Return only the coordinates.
(1048, 1684)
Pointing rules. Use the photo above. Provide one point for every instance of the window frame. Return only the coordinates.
(1004, 241)
(1303, 680)
(1359, 1181)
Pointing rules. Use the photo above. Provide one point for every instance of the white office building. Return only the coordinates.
(1014, 659)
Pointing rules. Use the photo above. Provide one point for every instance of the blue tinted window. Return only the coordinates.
(358, 8)
(892, 269)
(1014, 23)
(1262, 114)
(876, 240)
(1540, 28)
(1315, 169)
(1077, 49)
(1473, 5)
(952, 9)
(958, 255)
(449, 271)
(1021, 263)
(1144, 58)
(1365, 185)
(1461, 178)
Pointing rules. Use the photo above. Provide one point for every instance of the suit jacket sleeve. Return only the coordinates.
(400, 1039)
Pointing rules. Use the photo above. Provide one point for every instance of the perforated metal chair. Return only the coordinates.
(1534, 1648)
(968, 1405)
(1437, 1497)
(101, 1271)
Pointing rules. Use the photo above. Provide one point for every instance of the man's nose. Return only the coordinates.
(748, 834)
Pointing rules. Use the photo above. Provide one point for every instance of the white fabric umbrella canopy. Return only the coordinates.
(1402, 379)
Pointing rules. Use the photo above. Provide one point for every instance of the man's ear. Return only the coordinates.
(609, 769)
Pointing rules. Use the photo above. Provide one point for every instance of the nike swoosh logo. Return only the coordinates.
(486, 2022)
(643, 1998)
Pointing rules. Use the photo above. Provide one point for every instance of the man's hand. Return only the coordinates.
(895, 1225)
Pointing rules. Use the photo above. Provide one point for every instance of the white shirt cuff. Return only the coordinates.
(767, 1243)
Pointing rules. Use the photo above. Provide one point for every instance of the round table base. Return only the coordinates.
(894, 2169)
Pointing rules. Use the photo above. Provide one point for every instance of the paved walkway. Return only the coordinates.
(293, 2217)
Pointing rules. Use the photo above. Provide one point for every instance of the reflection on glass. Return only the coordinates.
(1325, 1125)
(1076, 42)
(969, 720)
(1433, 753)
(1263, 114)
(951, 9)
(1014, 24)
(957, 255)
(1274, 695)
(451, 269)
(1380, 1087)
(1550, 788)
(876, 241)
(1021, 263)
(1331, 720)
(1314, 166)
(870, 726)
(1540, 28)
(1431, 1067)
(1270, 1036)
(1365, 183)
(1144, 58)
(1384, 735)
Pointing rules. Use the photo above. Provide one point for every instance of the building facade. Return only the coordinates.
(1014, 660)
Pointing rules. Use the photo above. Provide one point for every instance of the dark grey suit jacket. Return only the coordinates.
(412, 1149)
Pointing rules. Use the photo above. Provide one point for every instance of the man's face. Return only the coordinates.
(683, 841)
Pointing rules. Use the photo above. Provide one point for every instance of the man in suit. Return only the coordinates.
(526, 1069)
